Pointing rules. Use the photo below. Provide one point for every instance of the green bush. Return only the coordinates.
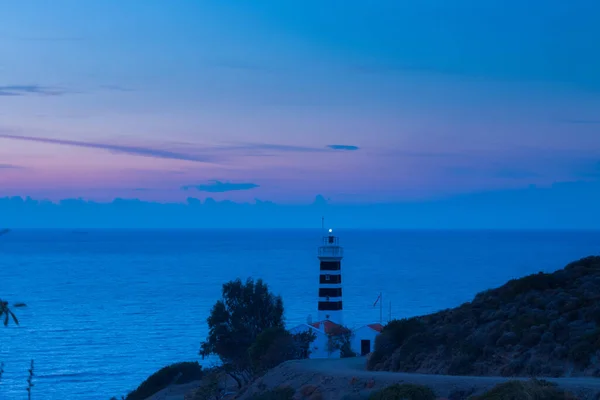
(180, 373)
(525, 390)
(405, 391)
(401, 330)
(285, 393)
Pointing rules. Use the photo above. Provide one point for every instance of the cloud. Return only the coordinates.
(199, 154)
(9, 166)
(117, 148)
(221, 187)
(257, 148)
(22, 90)
(560, 206)
(344, 147)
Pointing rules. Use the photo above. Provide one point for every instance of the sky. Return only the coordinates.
(368, 105)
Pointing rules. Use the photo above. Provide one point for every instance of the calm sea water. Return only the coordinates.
(108, 308)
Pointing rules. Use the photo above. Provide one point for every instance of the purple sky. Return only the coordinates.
(282, 102)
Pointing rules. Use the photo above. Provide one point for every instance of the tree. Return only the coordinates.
(6, 312)
(276, 345)
(245, 310)
(340, 338)
(178, 373)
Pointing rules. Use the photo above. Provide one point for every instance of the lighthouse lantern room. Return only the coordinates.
(330, 280)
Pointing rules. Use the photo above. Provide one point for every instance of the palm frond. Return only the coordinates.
(14, 317)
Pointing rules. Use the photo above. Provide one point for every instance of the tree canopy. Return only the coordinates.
(245, 310)
(7, 314)
(276, 345)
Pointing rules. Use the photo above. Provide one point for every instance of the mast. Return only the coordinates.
(380, 307)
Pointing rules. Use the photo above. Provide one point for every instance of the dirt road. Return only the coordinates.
(347, 378)
(339, 378)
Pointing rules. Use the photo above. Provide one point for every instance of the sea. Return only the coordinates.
(106, 309)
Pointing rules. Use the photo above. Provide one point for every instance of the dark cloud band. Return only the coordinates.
(221, 187)
(134, 150)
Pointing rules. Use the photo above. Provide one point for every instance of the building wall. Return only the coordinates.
(363, 333)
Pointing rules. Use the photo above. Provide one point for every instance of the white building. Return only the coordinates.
(330, 307)
(319, 348)
(363, 340)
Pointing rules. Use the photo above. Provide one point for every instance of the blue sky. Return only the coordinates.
(365, 103)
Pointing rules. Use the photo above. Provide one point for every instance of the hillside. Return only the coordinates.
(539, 325)
(334, 379)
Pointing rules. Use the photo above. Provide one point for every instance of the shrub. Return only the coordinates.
(535, 282)
(581, 352)
(183, 372)
(276, 345)
(400, 330)
(405, 391)
(525, 390)
(283, 393)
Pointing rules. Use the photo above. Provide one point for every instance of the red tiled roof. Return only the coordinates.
(327, 326)
(376, 327)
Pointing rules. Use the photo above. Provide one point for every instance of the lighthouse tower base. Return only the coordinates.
(333, 316)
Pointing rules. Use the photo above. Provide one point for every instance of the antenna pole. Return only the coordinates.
(380, 308)
(323, 223)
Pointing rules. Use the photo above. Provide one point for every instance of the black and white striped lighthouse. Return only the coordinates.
(330, 279)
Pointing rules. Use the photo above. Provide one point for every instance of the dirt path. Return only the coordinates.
(340, 378)
(356, 367)
(347, 378)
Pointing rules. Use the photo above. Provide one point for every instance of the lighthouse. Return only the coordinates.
(330, 321)
(330, 280)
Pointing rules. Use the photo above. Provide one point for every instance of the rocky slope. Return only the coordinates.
(539, 325)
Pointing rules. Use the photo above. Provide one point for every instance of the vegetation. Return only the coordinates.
(525, 390)
(6, 312)
(404, 391)
(276, 345)
(179, 373)
(341, 339)
(30, 381)
(246, 332)
(533, 326)
(284, 393)
(212, 386)
(245, 311)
